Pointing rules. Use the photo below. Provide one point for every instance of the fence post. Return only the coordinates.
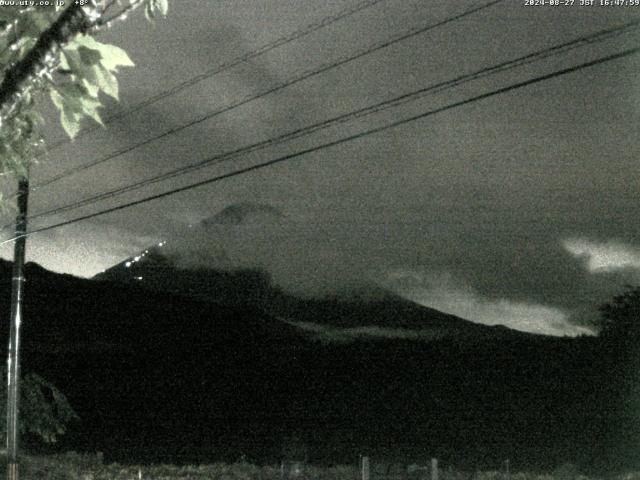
(506, 469)
(365, 468)
(434, 469)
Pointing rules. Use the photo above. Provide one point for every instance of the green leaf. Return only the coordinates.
(163, 6)
(56, 98)
(11, 160)
(87, 64)
(71, 96)
(64, 65)
(149, 12)
(112, 56)
(90, 109)
(78, 67)
(70, 122)
(77, 99)
(92, 89)
(89, 56)
(107, 82)
(73, 101)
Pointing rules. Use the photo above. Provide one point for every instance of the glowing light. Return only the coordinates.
(136, 258)
(128, 264)
(138, 278)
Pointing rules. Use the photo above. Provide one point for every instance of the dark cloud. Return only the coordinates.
(242, 214)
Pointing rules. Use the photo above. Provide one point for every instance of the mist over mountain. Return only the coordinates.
(243, 213)
(298, 260)
(364, 311)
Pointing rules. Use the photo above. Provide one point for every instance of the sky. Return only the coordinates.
(520, 209)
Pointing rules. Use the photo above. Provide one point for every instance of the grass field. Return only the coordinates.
(74, 466)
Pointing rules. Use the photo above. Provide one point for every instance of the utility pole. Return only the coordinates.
(13, 360)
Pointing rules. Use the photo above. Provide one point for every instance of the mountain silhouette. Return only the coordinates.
(162, 376)
(345, 316)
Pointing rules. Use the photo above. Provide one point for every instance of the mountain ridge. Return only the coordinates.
(367, 306)
(157, 376)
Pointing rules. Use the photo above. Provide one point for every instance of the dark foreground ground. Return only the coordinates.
(74, 466)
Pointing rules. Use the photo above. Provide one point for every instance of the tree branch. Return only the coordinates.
(121, 15)
(72, 21)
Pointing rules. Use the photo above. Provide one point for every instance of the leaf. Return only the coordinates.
(149, 12)
(90, 108)
(56, 98)
(11, 160)
(163, 6)
(78, 67)
(89, 56)
(92, 89)
(112, 56)
(93, 74)
(73, 103)
(63, 65)
(77, 99)
(107, 82)
(71, 96)
(70, 122)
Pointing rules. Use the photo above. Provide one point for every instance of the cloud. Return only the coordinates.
(243, 213)
(442, 292)
(604, 257)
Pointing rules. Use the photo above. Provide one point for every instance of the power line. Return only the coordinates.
(340, 141)
(234, 62)
(380, 106)
(301, 77)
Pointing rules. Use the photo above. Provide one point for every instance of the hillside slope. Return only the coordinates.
(342, 317)
(157, 376)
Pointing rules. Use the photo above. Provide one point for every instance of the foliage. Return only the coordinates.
(19, 135)
(74, 75)
(89, 68)
(74, 466)
(154, 7)
(45, 412)
(620, 318)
